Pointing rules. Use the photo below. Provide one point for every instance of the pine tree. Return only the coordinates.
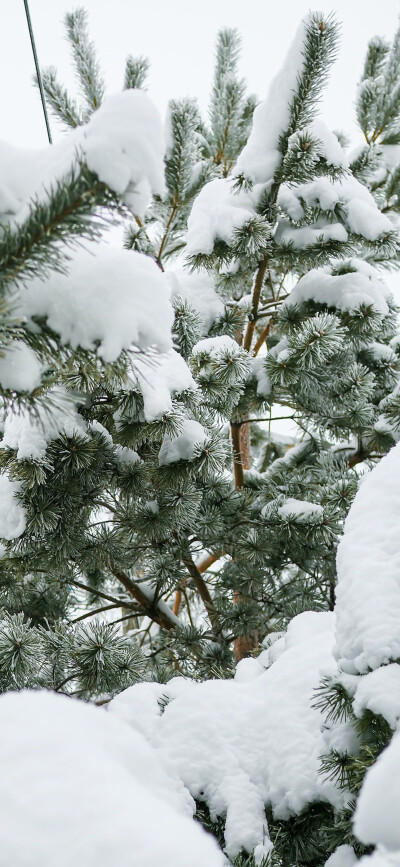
(166, 529)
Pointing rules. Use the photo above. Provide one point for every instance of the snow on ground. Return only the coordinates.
(368, 562)
(249, 742)
(78, 788)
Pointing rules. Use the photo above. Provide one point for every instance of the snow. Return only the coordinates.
(198, 289)
(261, 156)
(361, 286)
(29, 434)
(216, 212)
(331, 148)
(343, 856)
(379, 692)
(368, 564)
(245, 743)
(12, 515)
(159, 381)
(124, 146)
(305, 236)
(20, 368)
(110, 299)
(126, 457)
(122, 143)
(264, 386)
(182, 447)
(359, 211)
(377, 812)
(362, 214)
(78, 787)
(301, 511)
(213, 347)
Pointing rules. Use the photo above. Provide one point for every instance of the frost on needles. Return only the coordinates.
(164, 552)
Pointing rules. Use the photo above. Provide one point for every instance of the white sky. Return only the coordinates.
(178, 36)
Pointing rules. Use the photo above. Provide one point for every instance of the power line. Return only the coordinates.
(38, 73)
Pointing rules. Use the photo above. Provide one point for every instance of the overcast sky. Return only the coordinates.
(178, 36)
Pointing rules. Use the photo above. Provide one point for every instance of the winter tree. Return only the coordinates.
(154, 528)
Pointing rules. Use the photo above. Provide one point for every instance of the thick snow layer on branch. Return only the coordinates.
(378, 807)
(363, 216)
(368, 563)
(159, 379)
(261, 156)
(216, 212)
(379, 692)
(122, 143)
(343, 856)
(12, 515)
(301, 511)
(79, 788)
(358, 209)
(109, 298)
(331, 148)
(198, 289)
(361, 286)
(20, 368)
(249, 742)
(302, 237)
(212, 347)
(29, 434)
(182, 447)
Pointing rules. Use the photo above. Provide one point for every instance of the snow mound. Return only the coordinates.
(79, 788)
(368, 564)
(109, 298)
(249, 742)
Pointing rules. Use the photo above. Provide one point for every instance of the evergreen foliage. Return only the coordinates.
(147, 568)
